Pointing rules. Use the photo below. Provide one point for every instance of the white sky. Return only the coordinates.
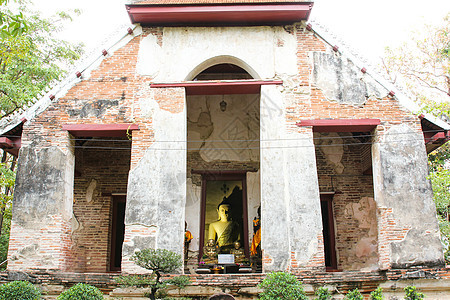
(367, 26)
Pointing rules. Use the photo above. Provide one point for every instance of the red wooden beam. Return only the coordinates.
(100, 130)
(234, 14)
(341, 125)
(219, 87)
(429, 139)
(6, 142)
(11, 145)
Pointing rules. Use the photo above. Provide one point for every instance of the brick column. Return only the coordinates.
(290, 204)
(42, 209)
(156, 193)
(408, 233)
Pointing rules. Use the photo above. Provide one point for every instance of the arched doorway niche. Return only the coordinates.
(223, 151)
(220, 60)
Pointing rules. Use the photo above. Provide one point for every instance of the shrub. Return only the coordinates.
(281, 286)
(158, 261)
(412, 293)
(81, 291)
(354, 295)
(377, 294)
(322, 293)
(15, 290)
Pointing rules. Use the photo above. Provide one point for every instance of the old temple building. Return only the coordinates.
(238, 121)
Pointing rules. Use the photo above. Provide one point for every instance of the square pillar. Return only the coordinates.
(42, 210)
(156, 194)
(291, 225)
(407, 223)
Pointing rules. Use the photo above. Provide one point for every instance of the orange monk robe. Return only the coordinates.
(188, 236)
(256, 241)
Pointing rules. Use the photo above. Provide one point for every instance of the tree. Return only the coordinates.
(158, 261)
(31, 60)
(11, 24)
(7, 179)
(423, 66)
(440, 181)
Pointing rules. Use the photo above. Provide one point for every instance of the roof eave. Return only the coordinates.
(209, 15)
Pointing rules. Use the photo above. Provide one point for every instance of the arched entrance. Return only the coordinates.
(223, 129)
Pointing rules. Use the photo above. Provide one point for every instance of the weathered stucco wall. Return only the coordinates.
(408, 234)
(42, 210)
(289, 201)
(157, 183)
(201, 48)
(340, 80)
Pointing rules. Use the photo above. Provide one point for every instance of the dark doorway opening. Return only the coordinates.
(117, 231)
(326, 204)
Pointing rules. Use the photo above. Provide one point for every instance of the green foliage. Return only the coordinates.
(7, 179)
(157, 260)
(281, 286)
(16, 290)
(11, 24)
(136, 280)
(32, 61)
(440, 181)
(377, 294)
(412, 293)
(322, 293)
(4, 237)
(179, 281)
(81, 291)
(354, 295)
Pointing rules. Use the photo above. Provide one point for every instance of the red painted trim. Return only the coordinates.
(208, 83)
(431, 138)
(341, 125)
(219, 87)
(100, 130)
(6, 142)
(11, 145)
(248, 14)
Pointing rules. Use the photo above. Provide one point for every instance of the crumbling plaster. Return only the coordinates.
(42, 208)
(401, 183)
(157, 184)
(214, 133)
(258, 47)
(341, 80)
(289, 188)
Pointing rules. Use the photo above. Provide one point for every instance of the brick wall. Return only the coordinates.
(106, 170)
(354, 214)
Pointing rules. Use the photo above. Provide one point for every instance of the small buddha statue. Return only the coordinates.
(210, 250)
(225, 231)
(239, 254)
